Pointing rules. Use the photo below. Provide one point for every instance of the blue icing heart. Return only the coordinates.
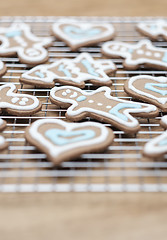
(77, 33)
(151, 87)
(60, 137)
(13, 34)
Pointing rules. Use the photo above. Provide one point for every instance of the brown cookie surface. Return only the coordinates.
(62, 141)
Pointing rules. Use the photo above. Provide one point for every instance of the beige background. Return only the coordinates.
(83, 216)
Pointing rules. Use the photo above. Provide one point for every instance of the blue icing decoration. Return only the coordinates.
(88, 66)
(13, 34)
(65, 71)
(77, 33)
(164, 59)
(39, 74)
(163, 142)
(81, 98)
(130, 50)
(115, 110)
(153, 27)
(61, 137)
(150, 86)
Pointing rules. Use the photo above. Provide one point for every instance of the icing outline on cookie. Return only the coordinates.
(126, 51)
(55, 151)
(154, 82)
(78, 36)
(73, 96)
(17, 101)
(95, 70)
(29, 48)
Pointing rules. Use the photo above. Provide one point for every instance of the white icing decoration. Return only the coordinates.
(90, 101)
(64, 93)
(101, 66)
(157, 54)
(15, 99)
(148, 53)
(140, 51)
(99, 104)
(108, 106)
(75, 94)
(68, 91)
(154, 29)
(128, 55)
(2, 141)
(83, 26)
(10, 93)
(161, 100)
(107, 92)
(57, 150)
(38, 43)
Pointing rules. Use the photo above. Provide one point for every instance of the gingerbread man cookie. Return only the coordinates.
(18, 39)
(102, 106)
(3, 68)
(17, 104)
(135, 55)
(77, 34)
(149, 89)
(62, 141)
(71, 72)
(3, 143)
(154, 31)
(157, 147)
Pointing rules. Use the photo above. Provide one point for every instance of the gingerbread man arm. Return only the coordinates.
(3, 143)
(15, 103)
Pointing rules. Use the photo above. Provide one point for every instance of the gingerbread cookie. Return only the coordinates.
(78, 34)
(102, 106)
(71, 72)
(3, 143)
(18, 39)
(16, 103)
(135, 55)
(157, 147)
(149, 89)
(3, 68)
(154, 31)
(62, 141)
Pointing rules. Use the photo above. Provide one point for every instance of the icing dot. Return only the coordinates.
(123, 49)
(140, 51)
(25, 99)
(108, 106)
(75, 94)
(64, 93)
(115, 47)
(68, 91)
(90, 101)
(148, 53)
(157, 54)
(15, 99)
(99, 104)
(22, 103)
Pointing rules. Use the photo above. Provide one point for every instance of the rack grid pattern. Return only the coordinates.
(121, 168)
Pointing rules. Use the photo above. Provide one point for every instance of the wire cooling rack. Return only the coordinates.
(121, 168)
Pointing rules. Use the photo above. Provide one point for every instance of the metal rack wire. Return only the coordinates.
(121, 168)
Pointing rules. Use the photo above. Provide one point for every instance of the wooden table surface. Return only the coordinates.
(87, 215)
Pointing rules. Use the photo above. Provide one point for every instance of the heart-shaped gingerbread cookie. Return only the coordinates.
(82, 34)
(62, 141)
